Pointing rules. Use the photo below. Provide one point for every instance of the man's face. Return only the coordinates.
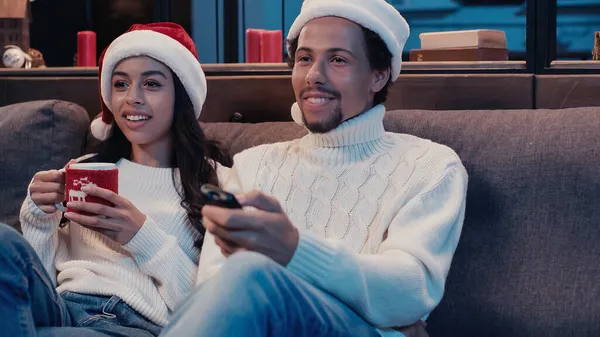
(332, 78)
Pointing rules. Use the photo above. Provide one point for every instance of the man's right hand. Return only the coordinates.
(48, 189)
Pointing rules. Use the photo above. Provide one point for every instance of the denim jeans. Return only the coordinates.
(254, 296)
(30, 305)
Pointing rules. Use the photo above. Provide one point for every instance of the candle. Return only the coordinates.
(253, 45)
(271, 46)
(86, 49)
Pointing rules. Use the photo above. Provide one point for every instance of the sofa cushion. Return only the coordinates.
(527, 263)
(35, 136)
(236, 137)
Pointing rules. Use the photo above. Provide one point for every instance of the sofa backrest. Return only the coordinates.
(35, 136)
(528, 260)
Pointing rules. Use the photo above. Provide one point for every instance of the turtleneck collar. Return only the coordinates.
(354, 140)
(364, 128)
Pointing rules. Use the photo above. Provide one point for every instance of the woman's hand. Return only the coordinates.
(48, 189)
(120, 222)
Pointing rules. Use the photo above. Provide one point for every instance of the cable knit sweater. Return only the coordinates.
(379, 215)
(151, 273)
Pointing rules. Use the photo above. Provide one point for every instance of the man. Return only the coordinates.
(348, 231)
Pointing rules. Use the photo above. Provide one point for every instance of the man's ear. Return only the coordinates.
(380, 79)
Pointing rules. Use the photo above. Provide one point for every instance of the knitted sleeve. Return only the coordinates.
(159, 255)
(404, 280)
(40, 230)
(211, 258)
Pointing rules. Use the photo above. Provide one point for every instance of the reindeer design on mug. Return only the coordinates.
(77, 195)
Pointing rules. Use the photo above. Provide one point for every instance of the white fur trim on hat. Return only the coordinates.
(99, 129)
(162, 48)
(376, 15)
(297, 114)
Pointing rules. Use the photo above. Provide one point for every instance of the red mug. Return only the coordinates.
(104, 175)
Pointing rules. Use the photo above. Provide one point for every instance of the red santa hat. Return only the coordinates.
(165, 42)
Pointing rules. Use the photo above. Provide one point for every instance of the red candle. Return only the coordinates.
(253, 45)
(271, 46)
(86, 49)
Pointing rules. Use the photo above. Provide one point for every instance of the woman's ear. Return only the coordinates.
(380, 79)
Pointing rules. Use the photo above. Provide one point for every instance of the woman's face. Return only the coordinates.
(143, 100)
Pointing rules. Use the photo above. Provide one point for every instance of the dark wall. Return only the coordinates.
(54, 28)
(56, 23)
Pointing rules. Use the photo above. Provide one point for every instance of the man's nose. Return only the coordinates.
(315, 75)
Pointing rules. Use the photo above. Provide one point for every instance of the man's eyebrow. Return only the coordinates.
(335, 50)
(330, 50)
(306, 49)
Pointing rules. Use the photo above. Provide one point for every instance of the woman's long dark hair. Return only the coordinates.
(190, 153)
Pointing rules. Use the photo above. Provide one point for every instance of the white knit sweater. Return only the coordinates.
(151, 273)
(380, 215)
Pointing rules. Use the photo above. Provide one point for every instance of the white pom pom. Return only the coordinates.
(297, 114)
(99, 129)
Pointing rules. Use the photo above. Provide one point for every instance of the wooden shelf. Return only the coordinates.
(259, 69)
(575, 65)
(50, 72)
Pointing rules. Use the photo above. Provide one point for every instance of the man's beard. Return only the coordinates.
(332, 122)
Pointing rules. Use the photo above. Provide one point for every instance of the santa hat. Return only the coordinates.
(376, 15)
(165, 42)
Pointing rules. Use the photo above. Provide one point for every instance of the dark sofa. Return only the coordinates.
(528, 260)
(35, 136)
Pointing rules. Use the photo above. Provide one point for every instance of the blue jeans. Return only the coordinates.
(254, 296)
(30, 305)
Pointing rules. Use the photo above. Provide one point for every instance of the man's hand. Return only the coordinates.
(266, 230)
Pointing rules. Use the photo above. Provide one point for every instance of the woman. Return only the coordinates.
(123, 272)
